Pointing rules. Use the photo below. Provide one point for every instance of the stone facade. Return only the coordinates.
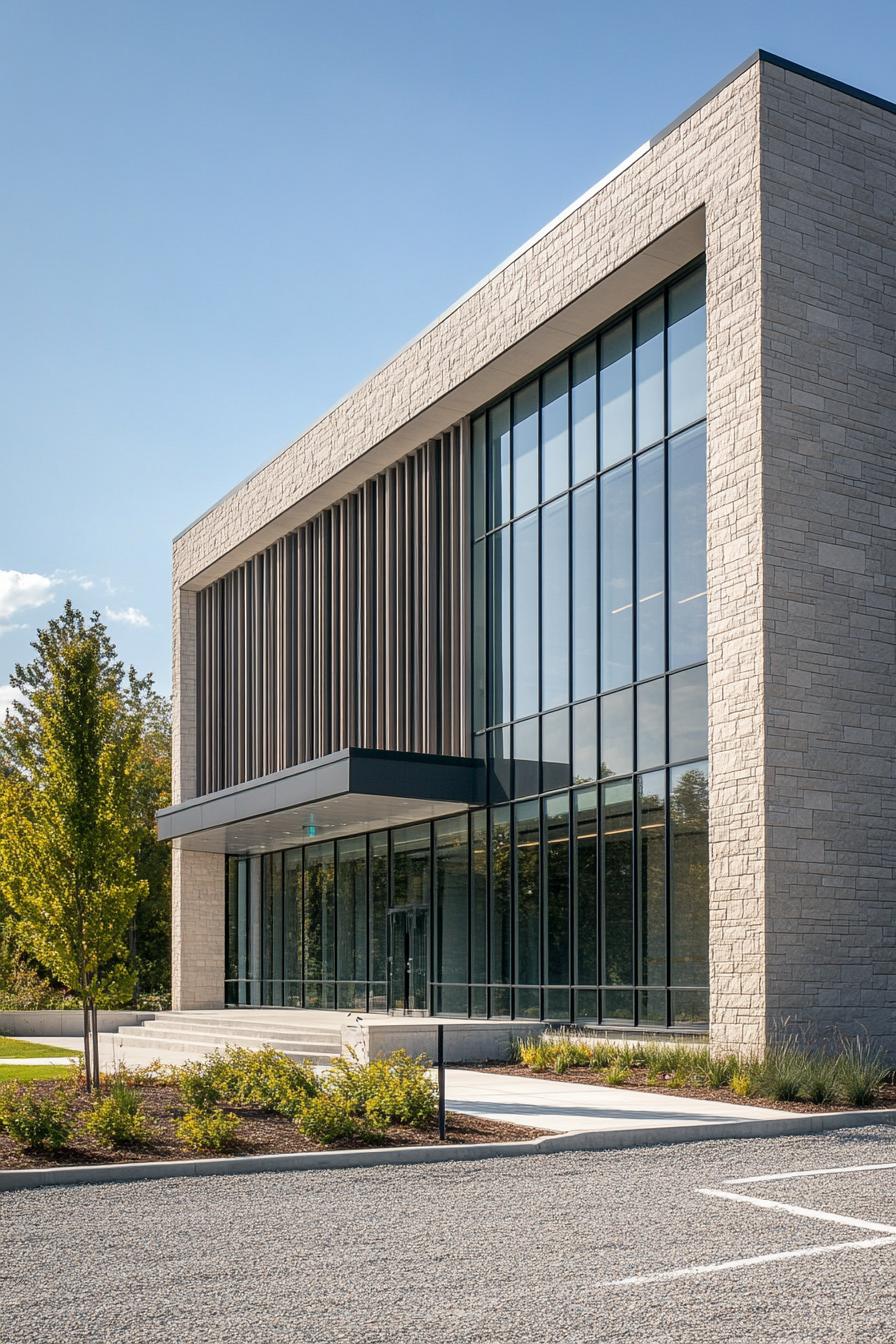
(829, 562)
(789, 185)
(197, 930)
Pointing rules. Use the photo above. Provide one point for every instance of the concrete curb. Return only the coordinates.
(574, 1141)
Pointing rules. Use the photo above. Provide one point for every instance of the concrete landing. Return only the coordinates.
(576, 1107)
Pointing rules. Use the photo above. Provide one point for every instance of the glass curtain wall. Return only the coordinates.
(581, 891)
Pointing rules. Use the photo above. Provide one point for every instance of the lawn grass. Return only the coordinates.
(14, 1047)
(30, 1073)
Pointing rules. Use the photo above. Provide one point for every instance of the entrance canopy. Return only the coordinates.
(356, 789)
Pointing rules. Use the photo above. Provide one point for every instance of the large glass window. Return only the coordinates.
(525, 616)
(581, 888)
(451, 970)
(527, 851)
(687, 548)
(555, 604)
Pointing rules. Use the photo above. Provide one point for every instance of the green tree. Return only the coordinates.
(68, 838)
(149, 937)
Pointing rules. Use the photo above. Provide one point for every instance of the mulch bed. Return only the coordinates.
(638, 1083)
(259, 1132)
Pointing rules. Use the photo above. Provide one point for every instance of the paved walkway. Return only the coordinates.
(63, 1042)
(560, 1107)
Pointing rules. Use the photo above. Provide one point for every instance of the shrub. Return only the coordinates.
(330, 1118)
(536, 1053)
(118, 1119)
(393, 1091)
(207, 1130)
(860, 1073)
(199, 1085)
(820, 1080)
(601, 1054)
(34, 1120)
(617, 1074)
(266, 1078)
(741, 1084)
(571, 1055)
(713, 1071)
(783, 1072)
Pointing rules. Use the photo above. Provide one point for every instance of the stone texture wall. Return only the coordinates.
(829, 502)
(197, 930)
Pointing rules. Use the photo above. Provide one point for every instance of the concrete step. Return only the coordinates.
(294, 1045)
(224, 1026)
(321, 1040)
(142, 1051)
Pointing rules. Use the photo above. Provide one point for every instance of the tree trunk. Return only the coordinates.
(88, 1076)
(96, 1047)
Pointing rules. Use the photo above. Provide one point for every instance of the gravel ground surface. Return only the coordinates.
(522, 1249)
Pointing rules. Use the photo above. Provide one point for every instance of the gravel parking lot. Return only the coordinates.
(525, 1249)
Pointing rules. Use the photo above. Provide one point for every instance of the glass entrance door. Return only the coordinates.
(408, 959)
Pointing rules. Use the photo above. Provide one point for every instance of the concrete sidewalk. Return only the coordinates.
(63, 1042)
(574, 1107)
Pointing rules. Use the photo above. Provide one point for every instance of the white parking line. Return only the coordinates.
(748, 1260)
(820, 1214)
(796, 1210)
(818, 1171)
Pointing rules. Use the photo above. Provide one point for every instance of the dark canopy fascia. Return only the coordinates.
(352, 790)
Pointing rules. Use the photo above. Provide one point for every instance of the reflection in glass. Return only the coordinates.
(616, 737)
(292, 926)
(616, 578)
(688, 715)
(351, 922)
(687, 350)
(499, 464)
(555, 766)
(500, 765)
(584, 591)
(320, 909)
(652, 877)
(555, 604)
(584, 413)
(687, 548)
(689, 905)
(616, 393)
(651, 563)
(499, 550)
(450, 926)
(479, 914)
(585, 895)
(618, 871)
(528, 942)
(556, 835)
(479, 635)
(554, 431)
(525, 615)
(649, 409)
(525, 758)
(584, 741)
(479, 475)
(379, 905)
(500, 910)
(411, 865)
(525, 448)
(651, 697)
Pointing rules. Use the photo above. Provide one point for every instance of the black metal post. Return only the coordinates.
(440, 1065)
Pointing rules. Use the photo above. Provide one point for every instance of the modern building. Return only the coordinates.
(549, 676)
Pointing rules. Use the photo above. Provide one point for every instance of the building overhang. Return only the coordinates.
(352, 790)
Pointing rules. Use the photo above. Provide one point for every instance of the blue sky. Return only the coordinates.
(219, 217)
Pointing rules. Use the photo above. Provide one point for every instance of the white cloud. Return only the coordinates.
(19, 591)
(7, 695)
(127, 616)
(7, 626)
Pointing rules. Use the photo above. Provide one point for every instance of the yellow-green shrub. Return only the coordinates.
(211, 1130)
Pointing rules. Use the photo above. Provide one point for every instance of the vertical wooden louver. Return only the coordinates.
(350, 631)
